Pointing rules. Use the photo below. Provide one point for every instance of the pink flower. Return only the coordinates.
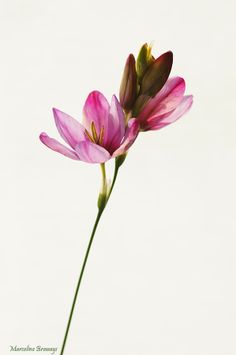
(166, 107)
(102, 136)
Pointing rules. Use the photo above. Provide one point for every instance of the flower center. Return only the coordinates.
(94, 136)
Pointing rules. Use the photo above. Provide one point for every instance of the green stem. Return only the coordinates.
(113, 182)
(80, 279)
(100, 211)
(104, 179)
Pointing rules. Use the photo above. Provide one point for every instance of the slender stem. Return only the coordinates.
(80, 279)
(113, 182)
(99, 214)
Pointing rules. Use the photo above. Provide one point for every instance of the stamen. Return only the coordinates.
(89, 135)
(94, 132)
(93, 136)
(101, 136)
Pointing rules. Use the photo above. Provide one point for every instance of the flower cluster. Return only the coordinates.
(148, 100)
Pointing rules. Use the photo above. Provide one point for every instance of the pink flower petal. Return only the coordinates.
(96, 109)
(57, 147)
(116, 125)
(70, 130)
(182, 108)
(129, 138)
(166, 100)
(90, 152)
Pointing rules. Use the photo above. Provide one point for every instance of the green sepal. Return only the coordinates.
(102, 200)
(120, 160)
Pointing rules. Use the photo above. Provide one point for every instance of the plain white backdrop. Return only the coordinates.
(161, 274)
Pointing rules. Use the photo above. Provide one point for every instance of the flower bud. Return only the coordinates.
(144, 60)
(157, 74)
(128, 87)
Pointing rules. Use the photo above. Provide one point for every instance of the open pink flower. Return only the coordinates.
(166, 107)
(102, 136)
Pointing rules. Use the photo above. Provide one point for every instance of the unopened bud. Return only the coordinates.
(144, 60)
(157, 74)
(128, 87)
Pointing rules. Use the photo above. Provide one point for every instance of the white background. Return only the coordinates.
(161, 274)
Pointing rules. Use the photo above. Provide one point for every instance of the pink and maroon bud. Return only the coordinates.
(157, 75)
(128, 87)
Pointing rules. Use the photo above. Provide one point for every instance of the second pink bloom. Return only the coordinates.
(166, 107)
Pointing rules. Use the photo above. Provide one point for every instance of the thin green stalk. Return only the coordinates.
(118, 162)
(113, 182)
(104, 179)
(80, 279)
(100, 211)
